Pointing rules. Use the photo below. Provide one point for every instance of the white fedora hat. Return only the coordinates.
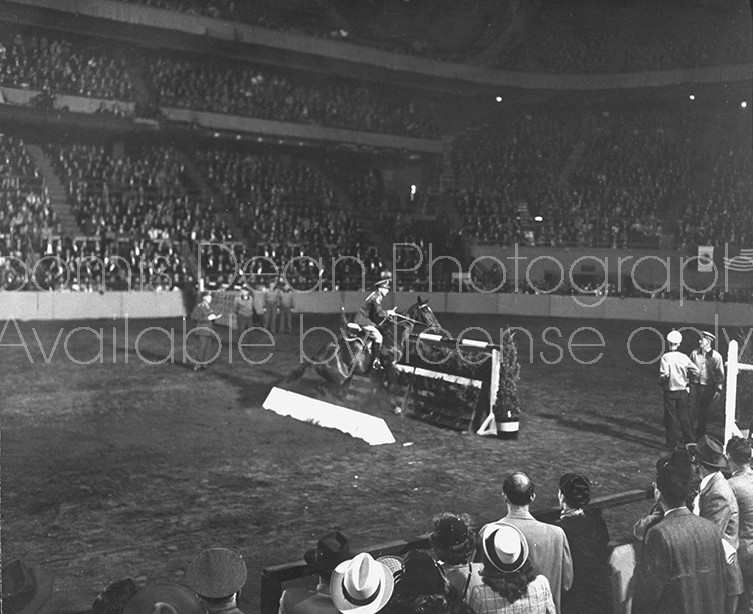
(505, 546)
(361, 585)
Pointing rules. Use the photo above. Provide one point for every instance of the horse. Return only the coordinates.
(337, 362)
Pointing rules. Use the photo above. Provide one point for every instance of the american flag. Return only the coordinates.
(742, 263)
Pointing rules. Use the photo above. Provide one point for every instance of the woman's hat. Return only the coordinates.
(164, 598)
(25, 587)
(331, 550)
(708, 451)
(217, 573)
(504, 546)
(394, 564)
(361, 585)
(576, 489)
(451, 533)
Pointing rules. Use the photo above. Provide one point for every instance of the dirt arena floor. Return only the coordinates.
(128, 468)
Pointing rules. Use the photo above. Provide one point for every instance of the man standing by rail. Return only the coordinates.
(705, 388)
(675, 371)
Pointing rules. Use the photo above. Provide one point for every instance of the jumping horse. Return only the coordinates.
(337, 362)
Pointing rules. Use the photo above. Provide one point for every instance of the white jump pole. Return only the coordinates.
(733, 368)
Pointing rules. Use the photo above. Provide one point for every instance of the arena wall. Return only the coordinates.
(135, 305)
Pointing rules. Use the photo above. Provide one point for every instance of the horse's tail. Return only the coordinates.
(297, 373)
(343, 319)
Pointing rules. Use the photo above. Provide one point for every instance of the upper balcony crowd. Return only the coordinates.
(553, 37)
(674, 175)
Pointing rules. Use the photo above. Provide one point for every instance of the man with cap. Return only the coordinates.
(204, 317)
(706, 387)
(332, 549)
(371, 316)
(675, 371)
(717, 503)
(243, 308)
(681, 568)
(217, 576)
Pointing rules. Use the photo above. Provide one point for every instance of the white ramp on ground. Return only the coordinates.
(363, 426)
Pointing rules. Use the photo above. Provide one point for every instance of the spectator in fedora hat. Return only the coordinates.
(361, 585)
(675, 372)
(548, 543)
(164, 598)
(453, 542)
(217, 576)
(588, 537)
(506, 581)
(741, 482)
(681, 568)
(717, 503)
(705, 387)
(331, 549)
(26, 588)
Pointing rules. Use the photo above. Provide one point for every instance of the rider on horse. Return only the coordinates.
(371, 316)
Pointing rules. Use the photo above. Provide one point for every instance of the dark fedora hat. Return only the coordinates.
(332, 549)
(25, 588)
(708, 451)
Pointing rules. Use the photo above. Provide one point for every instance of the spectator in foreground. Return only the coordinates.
(361, 585)
(114, 597)
(741, 483)
(717, 503)
(682, 566)
(549, 547)
(332, 549)
(588, 537)
(423, 587)
(681, 460)
(217, 576)
(453, 543)
(506, 581)
(25, 588)
(164, 598)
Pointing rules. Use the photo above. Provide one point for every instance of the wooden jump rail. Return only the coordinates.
(272, 578)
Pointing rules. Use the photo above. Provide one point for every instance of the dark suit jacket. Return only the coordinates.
(742, 486)
(717, 503)
(681, 570)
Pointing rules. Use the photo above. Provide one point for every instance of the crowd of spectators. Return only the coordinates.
(554, 38)
(60, 65)
(527, 563)
(253, 91)
(26, 218)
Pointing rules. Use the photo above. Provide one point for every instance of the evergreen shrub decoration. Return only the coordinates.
(507, 406)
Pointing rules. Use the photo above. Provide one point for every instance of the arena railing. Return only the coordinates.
(274, 577)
